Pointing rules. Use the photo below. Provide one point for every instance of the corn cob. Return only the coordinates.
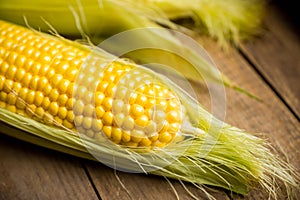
(59, 90)
(34, 85)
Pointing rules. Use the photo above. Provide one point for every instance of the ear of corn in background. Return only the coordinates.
(81, 100)
(230, 21)
(233, 20)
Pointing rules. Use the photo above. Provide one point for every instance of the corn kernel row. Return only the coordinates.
(58, 83)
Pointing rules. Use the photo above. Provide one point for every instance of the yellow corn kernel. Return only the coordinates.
(11, 108)
(128, 123)
(38, 98)
(136, 110)
(97, 125)
(145, 142)
(87, 122)
(7, 86)
(78, 107)
(108, 118)
(53, 108)
(30, 96)
(99, 97)
(165, 137)
(43, 81)
(62, 112)
(126, 136)
(142, 121)
(119, 119)
(62, 99)
(116, 134)
(107, 104)
(68, 124)
(10, 74)
(107, 131)
(78, 120)
(40, 112)
(11, 98)
(70, 116)
(37, 79)
(173, 116)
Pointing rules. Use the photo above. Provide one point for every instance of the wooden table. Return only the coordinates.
(268, 66)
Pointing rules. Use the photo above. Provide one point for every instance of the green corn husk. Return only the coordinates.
(233, 20)
(97, 21)
(211, 153)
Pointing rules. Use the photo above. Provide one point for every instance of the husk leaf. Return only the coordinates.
(232, 20)
(97, 21)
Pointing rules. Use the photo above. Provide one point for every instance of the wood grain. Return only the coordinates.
(276, 56)
(34, 173)
(124, 186)
(272, 118)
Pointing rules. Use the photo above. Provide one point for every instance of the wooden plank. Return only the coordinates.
(276, 56)
(278, 124)
(31, 172)
(124, 186)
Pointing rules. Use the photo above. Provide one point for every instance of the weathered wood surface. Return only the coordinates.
(31, 172)
(268, 67)
(276, 57)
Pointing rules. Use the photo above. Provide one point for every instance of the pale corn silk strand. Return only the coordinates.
(219, 167)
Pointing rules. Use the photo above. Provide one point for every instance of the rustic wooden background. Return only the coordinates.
(268, 66)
